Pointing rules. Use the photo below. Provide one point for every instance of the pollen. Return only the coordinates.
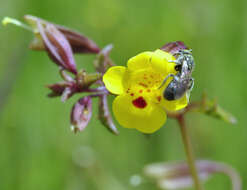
(139, 102)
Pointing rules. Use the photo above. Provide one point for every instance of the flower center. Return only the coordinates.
(144, 83)
(148, 80)
(144, 88)
(139, 102)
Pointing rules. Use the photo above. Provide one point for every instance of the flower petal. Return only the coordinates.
(175, 105)
(144, 116)
(140, 61)
(113, 79)
(160, 62)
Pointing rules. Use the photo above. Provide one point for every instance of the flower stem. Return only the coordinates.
(189, 152)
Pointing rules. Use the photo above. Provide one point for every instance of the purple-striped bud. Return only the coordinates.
(105, 116)
(57, 46)
(174, 47)
(103, 61)
(57, 89)
(177, 175)
(81, 114)
(79, 42)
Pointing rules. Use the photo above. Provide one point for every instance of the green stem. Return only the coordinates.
(189, 152)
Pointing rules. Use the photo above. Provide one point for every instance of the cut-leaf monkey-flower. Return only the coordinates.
(140, 103)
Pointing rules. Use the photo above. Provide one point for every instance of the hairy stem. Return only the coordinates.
(189, 152)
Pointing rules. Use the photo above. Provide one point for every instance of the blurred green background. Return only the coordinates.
(38, 150)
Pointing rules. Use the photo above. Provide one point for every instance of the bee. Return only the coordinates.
(182, 82)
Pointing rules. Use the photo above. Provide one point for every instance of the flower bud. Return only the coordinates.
(174, 47)
(57, 46)
(63, 89)
(105, 116)
(85, 80)
(78, 42)
(81, 114)
(102, 61)
(57, 89)
(212, 108)
(177, 175)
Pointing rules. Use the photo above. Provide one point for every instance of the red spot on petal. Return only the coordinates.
(140, 91)
(132, 94)
(159, 98)
(139, 102)
(143, 84)
(148, 90)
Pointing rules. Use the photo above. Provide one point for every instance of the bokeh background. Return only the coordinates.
(38, 150)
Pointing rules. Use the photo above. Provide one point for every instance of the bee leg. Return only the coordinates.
(189, 50)
(178, 64)
(181, 52)
(173, 61)
(164, 81)
(192, 84)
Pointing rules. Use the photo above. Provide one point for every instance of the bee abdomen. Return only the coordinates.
(169, 94)
(174, 91)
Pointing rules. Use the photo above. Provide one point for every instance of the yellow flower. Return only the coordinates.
(140, 103)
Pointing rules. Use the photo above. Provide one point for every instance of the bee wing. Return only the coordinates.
(188, 95)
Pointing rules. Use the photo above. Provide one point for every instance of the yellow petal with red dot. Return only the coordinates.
(139, 113)
(113, 79)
